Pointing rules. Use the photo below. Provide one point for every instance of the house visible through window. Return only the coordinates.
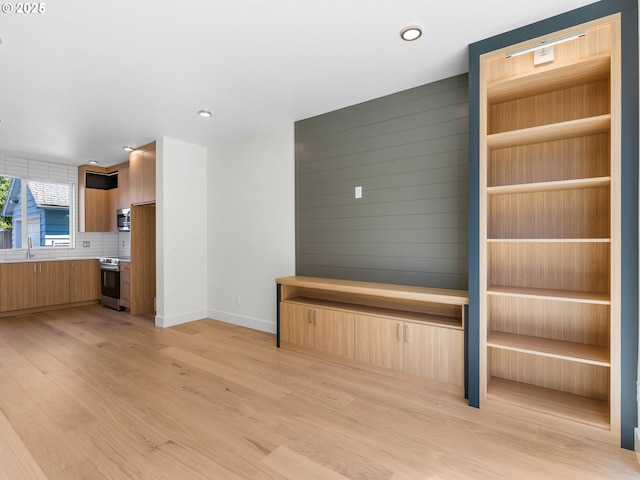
(45, 205)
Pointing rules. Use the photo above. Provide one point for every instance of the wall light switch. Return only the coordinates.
(358, 192)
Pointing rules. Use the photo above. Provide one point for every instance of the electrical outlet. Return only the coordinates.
(86, 244)
(237, 299)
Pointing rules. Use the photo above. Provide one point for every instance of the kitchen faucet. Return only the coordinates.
(29, 247)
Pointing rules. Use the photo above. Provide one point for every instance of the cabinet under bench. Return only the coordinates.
(416, 330)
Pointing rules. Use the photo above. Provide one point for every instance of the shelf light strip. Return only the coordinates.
(544, 44)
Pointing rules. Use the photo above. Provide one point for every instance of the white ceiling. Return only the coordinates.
(84, 78)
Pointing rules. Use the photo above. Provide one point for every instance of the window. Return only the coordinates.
(47, 208)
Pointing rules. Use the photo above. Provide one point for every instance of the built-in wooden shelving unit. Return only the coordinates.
(550, 227)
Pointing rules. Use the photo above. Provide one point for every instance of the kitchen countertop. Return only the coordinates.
(36, 258)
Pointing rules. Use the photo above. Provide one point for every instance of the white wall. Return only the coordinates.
(251, 226)
(181, 232)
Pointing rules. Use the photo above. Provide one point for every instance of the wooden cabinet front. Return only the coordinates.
(19, 286)
(84, 280)
(125, 284)
(296, 325)
(96, 205)
(379, 342)
(124, 197)
(33, 284)
(434, 352)
(97, 198)
(142, 174)
(426, 351)
(53, 283)
(334, 332)
(324, 330)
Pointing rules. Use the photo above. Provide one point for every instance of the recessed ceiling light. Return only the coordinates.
(93, 162)
(205, 113)
(127, 148)
(411, 33)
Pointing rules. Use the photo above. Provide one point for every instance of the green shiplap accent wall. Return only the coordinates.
(409, 152)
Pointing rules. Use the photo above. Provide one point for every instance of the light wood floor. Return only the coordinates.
(96, 394)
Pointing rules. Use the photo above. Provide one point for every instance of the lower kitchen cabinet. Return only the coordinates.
(19, 286)
(428, 351)
(84, 280)
(125, 284)
(321, 329)
(53, 283)
(33, 284)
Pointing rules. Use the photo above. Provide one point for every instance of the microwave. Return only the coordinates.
(124, 219)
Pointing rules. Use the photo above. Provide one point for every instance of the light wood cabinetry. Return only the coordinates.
(19, 283)
(416, 330)
(125, 284)
(427, 351)
(322, 329)
(53, 283)
(550, 227)
(380, 341)
(96, 199)
(33, 284)
(123, 196)
(143, 259)
(101, 191)
(142, 174)
(84, 280)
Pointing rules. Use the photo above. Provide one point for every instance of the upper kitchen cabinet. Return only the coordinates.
(554, 239)
(142, 174)
(124, 196)
(97, 195)
(101, 191)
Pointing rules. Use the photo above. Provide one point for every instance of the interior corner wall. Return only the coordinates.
(181, 232)
(409, 154)
(251, 226)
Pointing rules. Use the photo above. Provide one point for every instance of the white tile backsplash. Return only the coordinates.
(17, 167)
(37, 170)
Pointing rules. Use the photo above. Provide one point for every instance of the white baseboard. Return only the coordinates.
(242, 321)
(179, 319)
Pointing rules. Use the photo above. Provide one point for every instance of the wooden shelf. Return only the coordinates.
(576, 352)
(547, 133)
(392, 314)
(549, 240)
(550, 186)
(380, 290)
(554, 402)
(546, 294)
(548, 78)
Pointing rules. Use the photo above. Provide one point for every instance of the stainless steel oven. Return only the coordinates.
(110, 283)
